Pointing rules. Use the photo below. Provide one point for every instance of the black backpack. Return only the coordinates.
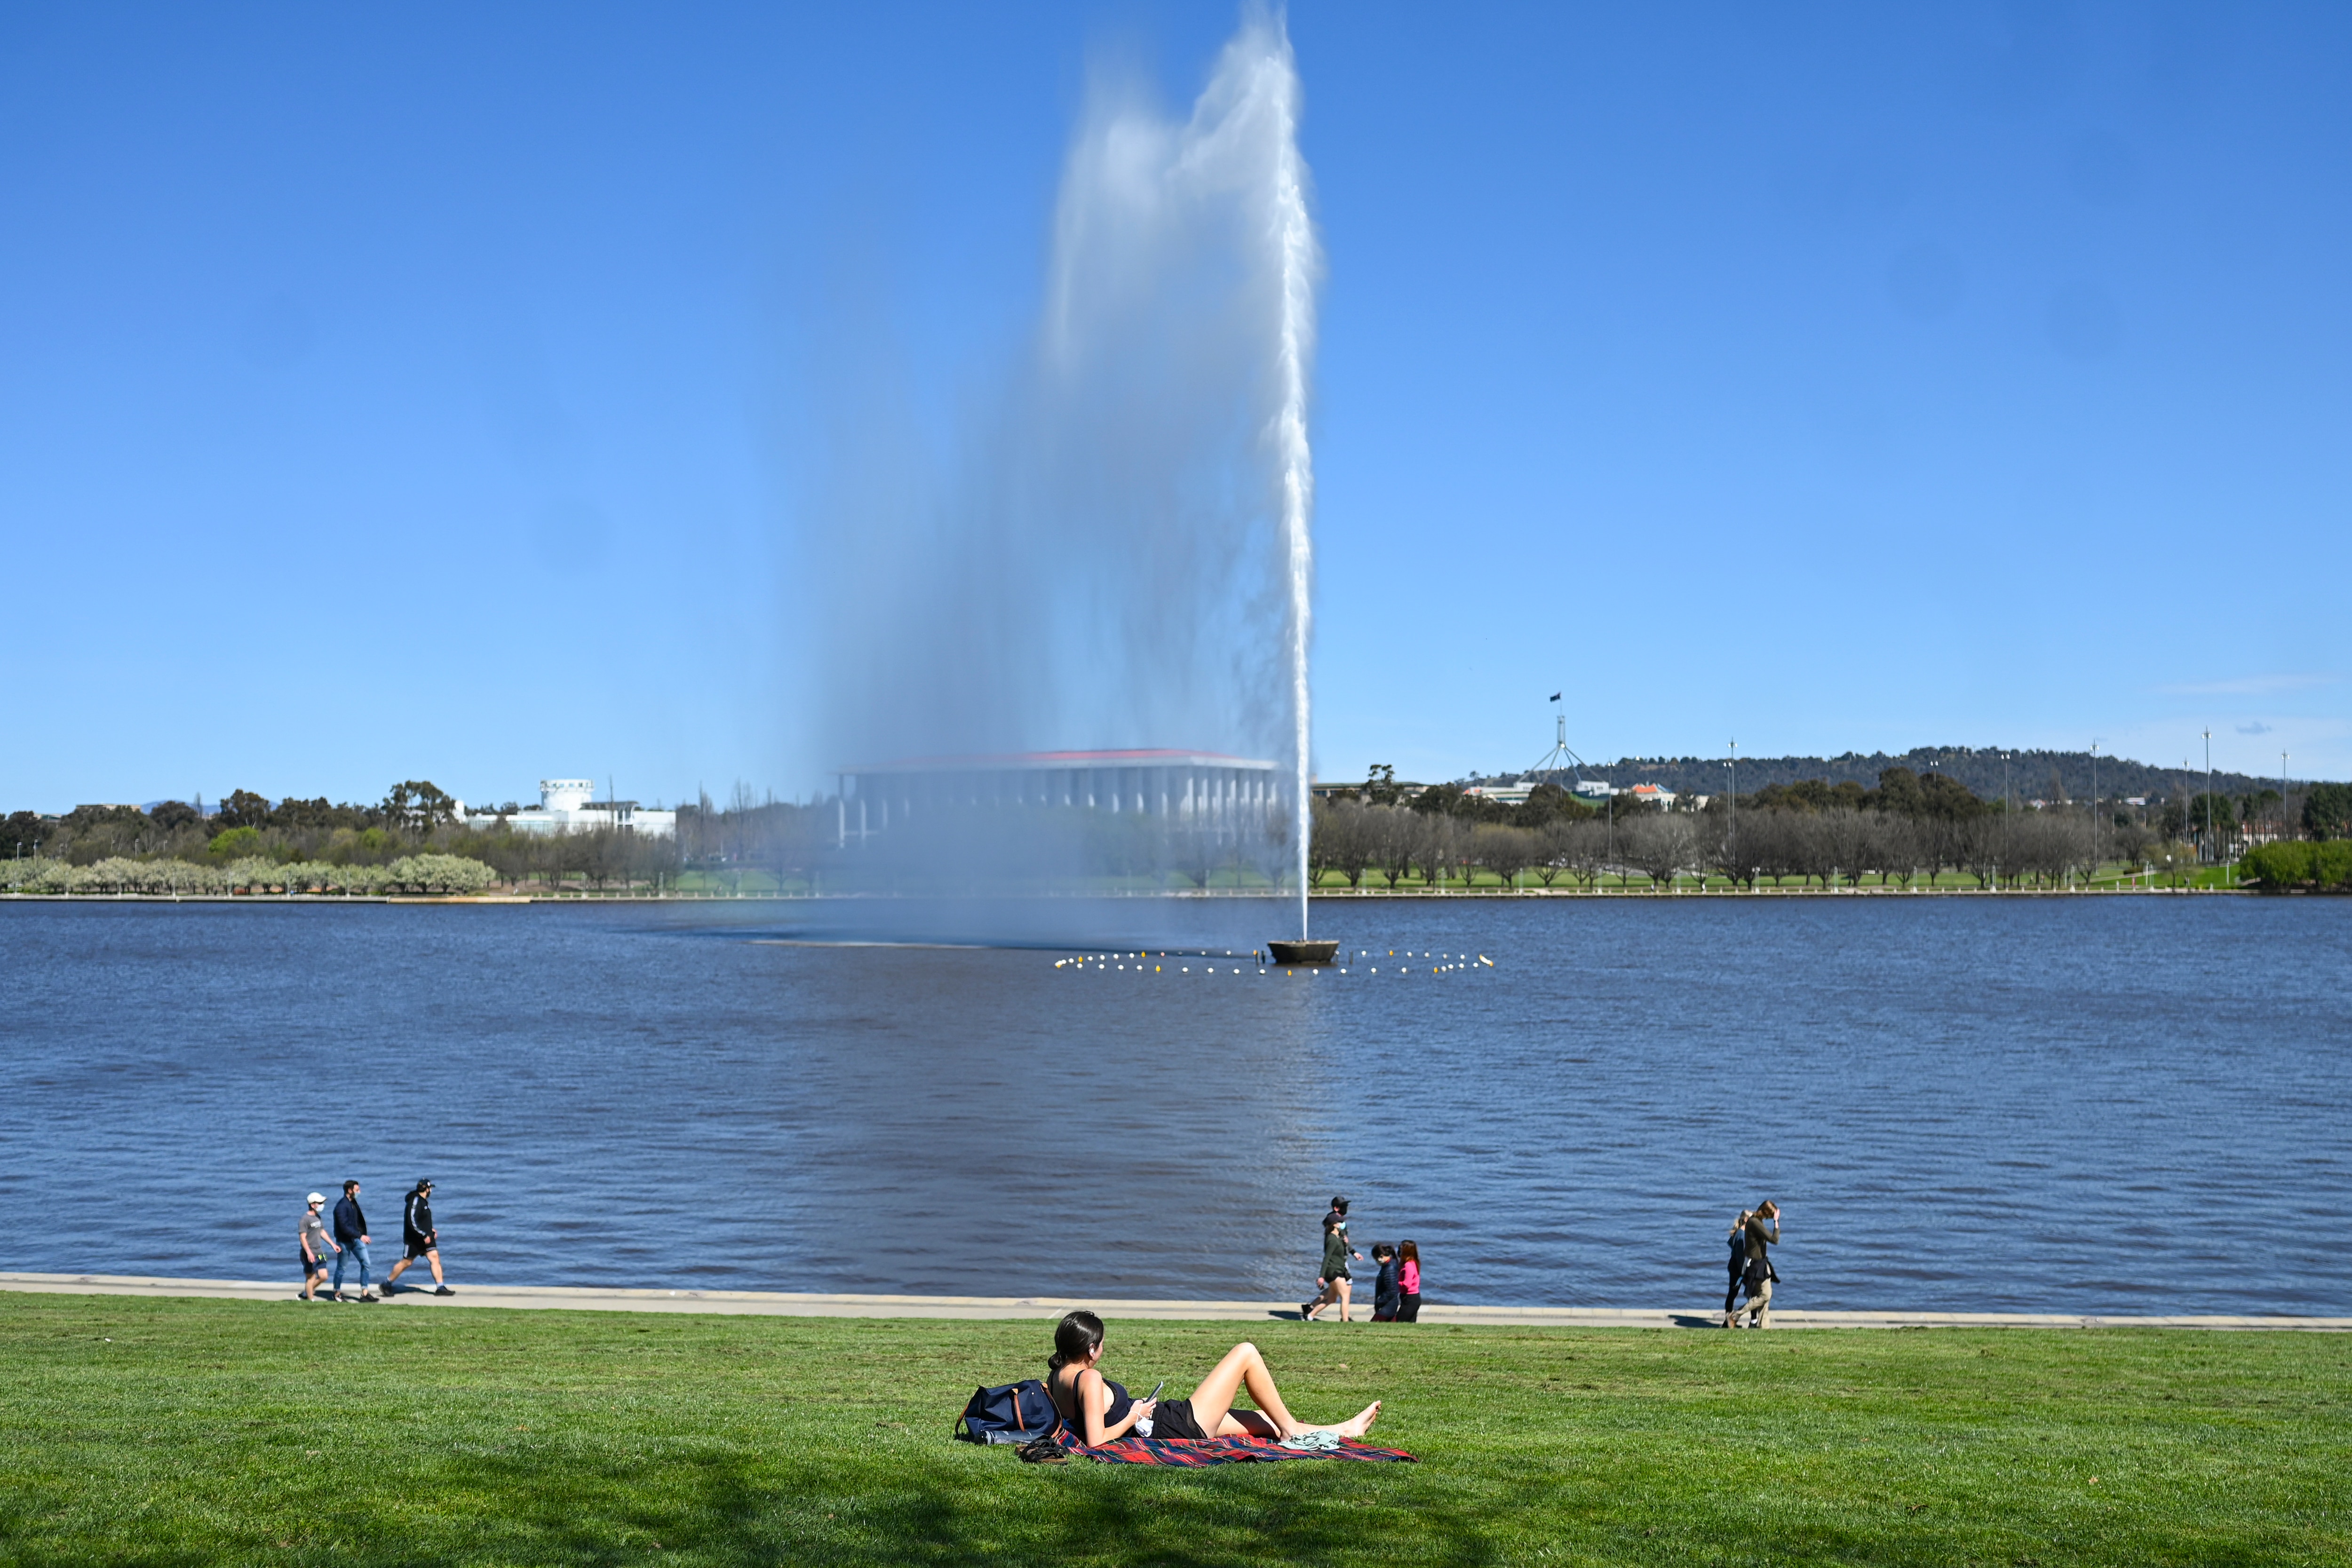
(1015, 1413)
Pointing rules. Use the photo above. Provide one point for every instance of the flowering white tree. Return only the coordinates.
(36, 875)
(439, 874)
(252, 875)
(115, 874)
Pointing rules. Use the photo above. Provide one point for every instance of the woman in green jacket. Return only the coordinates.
(1334, 1280)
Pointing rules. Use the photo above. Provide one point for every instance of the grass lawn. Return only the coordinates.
(187, 1432)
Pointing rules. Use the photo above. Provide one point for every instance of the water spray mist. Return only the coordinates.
(1113, 547)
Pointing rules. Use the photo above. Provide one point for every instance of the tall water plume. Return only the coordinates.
(1107, 543)
(1298, 269)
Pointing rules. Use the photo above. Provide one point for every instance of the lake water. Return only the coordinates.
(1981, 1104)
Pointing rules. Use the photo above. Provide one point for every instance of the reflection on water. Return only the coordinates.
(2115, 1105)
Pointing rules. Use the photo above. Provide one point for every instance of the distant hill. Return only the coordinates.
(1980, 768)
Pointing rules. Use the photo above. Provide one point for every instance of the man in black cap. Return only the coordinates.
(423, 1240)
(352, 1239)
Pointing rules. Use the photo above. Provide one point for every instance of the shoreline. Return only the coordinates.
(789, 1304)
(1267, 895)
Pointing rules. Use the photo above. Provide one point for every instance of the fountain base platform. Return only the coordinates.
(1303, 951)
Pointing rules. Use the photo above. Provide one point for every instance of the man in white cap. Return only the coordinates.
(316, 1244)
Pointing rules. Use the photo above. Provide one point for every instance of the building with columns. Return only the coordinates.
(1187, 789)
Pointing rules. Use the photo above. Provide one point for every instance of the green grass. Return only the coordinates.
(184, 1432)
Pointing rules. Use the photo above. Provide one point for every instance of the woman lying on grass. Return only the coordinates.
(1100, 1411)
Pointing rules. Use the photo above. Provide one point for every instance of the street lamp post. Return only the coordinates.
(2008, 815)
(1731, 808)
(2282, 827)
(2095, 812)
(2209, 848)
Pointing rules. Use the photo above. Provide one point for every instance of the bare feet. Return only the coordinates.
(1362, 1422)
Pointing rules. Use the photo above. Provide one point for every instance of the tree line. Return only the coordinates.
(1989, 771)
(256, 874)
(405, 842)
(414, 816)
(1907, 826)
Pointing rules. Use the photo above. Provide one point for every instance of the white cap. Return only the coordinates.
(317, 1198)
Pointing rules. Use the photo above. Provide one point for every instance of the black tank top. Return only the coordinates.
(1057, 1390)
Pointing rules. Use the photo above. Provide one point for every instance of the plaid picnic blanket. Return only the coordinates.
(1197, 1451)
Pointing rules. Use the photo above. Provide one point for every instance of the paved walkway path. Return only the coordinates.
(768, 1303)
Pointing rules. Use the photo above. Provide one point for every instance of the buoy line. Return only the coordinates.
(1179, 962)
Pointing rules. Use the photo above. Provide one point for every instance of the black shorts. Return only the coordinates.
(1174, 1418)
(419, 1248)
(314, 1266)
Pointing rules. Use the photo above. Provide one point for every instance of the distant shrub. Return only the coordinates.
(2277, 866)
(233, 845)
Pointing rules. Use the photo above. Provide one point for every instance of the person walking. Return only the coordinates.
(351, 1240)
(1334, 1280)
(1737, 1262)
(418, 1238)
(316, 1246)
(1762, 1232)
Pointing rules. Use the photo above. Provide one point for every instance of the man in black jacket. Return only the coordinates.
(352, 1236)
(422, 1240)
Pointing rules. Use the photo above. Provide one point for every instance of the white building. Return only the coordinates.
(570, 805)
(1200, 789)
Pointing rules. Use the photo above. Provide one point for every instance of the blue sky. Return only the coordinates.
(429, 395)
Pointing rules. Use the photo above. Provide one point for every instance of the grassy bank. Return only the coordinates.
(183, 1432)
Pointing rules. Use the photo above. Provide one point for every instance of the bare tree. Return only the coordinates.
(1585, 847)
(1505, 851)
(1660, 845)
(1977, 843)
(1771, 845)
(1438, 846)
(1895, 847)
(1343, 839)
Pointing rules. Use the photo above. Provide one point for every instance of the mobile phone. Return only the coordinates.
(1155, 1392)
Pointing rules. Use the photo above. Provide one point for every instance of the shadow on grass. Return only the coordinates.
(967, 1507)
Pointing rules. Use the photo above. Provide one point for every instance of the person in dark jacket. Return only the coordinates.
(1737, 1262)
(419, 1238)
(1386, 1297)
(352, 1236)
(1335, 1279)
(1762, 1232)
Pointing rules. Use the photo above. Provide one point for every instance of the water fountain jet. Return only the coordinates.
(1114, 550)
